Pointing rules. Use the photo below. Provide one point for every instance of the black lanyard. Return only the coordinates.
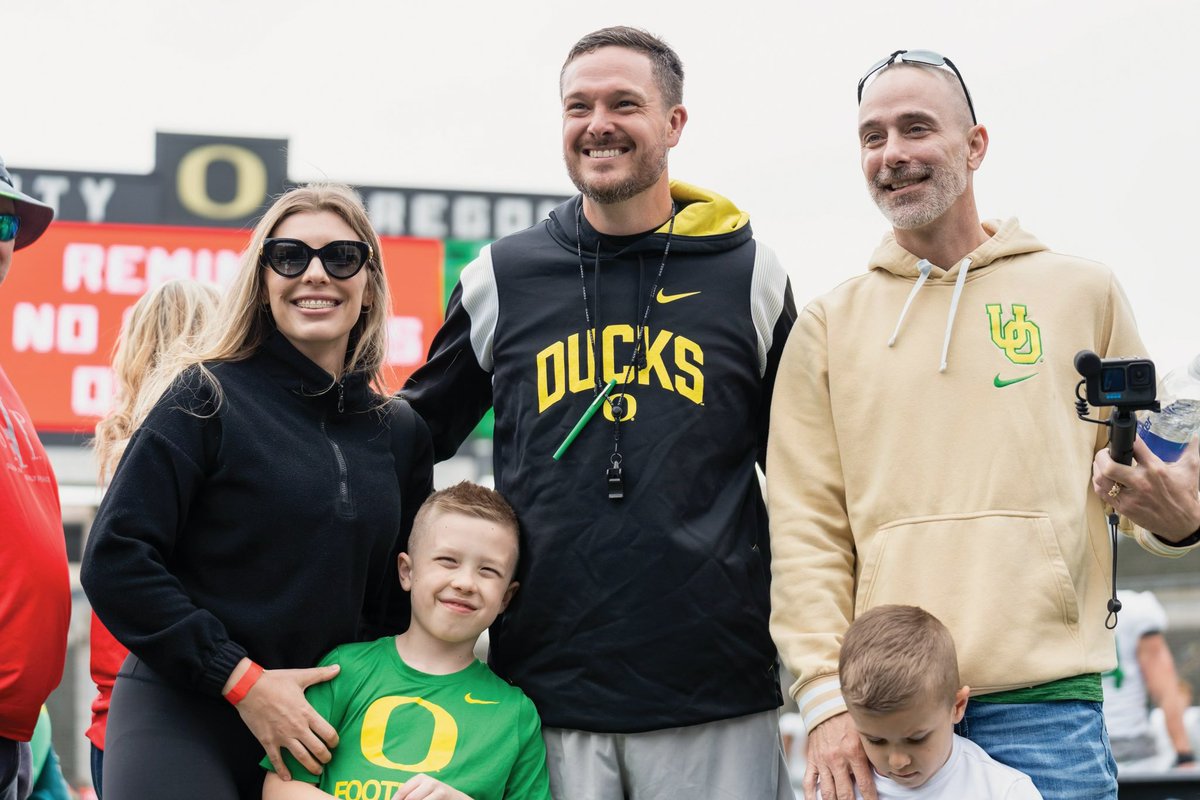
(613, 475)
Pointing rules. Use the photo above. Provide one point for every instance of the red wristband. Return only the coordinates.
(245, 683)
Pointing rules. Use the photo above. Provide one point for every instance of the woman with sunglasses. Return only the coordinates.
(257, 513)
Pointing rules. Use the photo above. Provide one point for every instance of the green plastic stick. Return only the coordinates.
(591, 410)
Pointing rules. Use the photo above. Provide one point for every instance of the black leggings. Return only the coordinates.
(173, 743)
(16, 765)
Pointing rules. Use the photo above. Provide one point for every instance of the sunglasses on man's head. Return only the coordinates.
(9, 225)
(927, 58)
(291, 257)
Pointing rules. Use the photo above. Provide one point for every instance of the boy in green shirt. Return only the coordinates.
(419, 718)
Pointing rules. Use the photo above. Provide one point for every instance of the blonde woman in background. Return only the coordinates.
(168, 317)
(257, 515)
(165, 318)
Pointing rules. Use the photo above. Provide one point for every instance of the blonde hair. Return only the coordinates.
(894, 655)
(164, 319)
(243, 319)
(468, 499)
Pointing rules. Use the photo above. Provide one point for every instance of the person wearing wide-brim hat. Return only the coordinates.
(22, 219)
(35, 595)
(34, 216)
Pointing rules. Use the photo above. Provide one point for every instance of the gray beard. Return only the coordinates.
(947, 186)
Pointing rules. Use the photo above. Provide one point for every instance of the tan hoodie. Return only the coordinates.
(947, 469)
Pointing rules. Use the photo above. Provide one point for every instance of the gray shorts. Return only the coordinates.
(738, 759)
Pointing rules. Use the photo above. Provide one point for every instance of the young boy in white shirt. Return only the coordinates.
(419, 718)
(899, 676)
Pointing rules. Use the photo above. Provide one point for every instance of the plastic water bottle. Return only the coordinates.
(1168, 432)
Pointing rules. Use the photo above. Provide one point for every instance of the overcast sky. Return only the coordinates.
(1091, 106)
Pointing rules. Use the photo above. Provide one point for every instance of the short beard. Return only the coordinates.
(945, 185)
(645, 174)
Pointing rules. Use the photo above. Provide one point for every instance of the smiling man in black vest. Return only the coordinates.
(629, 345)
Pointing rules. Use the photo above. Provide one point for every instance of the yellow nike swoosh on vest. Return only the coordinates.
(1000, 384)
(671, 298)
(473, 701)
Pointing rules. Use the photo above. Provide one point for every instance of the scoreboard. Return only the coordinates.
(115, 236)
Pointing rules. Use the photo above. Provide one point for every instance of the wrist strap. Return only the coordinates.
(1184, 758)
(1188, 542)
(245, 683)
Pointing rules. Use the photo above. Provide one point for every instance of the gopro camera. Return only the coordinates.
(1127, 383)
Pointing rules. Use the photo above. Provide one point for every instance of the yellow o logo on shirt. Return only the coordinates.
(441, 745)
(629, 407)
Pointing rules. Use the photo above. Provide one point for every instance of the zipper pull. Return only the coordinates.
(341, 396)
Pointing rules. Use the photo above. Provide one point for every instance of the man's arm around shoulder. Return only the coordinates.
(453, 389)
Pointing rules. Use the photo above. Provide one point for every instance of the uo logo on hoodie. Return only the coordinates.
(1019, 338)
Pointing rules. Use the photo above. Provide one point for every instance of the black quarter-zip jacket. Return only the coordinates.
(649, 612)
(268, 527)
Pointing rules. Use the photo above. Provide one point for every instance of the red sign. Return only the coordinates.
(65, 297)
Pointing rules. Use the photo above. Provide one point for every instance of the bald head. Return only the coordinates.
(926, 86)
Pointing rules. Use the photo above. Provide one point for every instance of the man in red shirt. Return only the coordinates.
(35, 590)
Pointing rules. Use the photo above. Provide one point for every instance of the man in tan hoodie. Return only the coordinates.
(924, 450)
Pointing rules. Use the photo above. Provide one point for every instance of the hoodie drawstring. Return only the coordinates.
(958, 287)
(924, 267)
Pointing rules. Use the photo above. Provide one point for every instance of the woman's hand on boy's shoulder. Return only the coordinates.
(277, 713)
(423, 787)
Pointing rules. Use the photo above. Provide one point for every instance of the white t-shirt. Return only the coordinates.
(1125, 700)
(968, 773)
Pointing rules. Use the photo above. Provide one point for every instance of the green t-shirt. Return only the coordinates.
(1081, 687)
(470, 730)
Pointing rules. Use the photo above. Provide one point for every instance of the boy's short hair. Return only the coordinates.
(893, 655)
(468, 499)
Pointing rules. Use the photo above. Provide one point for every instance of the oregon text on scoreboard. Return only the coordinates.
(115, 236)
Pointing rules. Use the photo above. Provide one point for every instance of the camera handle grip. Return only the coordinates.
(1122, 430)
